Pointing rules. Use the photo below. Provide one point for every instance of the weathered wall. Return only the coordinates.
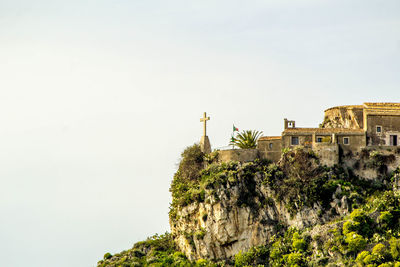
(327, 153)
(270, 149)
(241, 155)
(390, 126)
(273, 156)
(270, 145)
(304, 140)
(343, 117)
(356, 142)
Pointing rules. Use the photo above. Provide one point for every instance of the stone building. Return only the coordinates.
(345, 129)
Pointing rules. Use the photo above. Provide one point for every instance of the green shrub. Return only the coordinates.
(355, 242)
(276, 250)
(357, 215)
(395, 248)
(201, 263)
(255, 255)
(294, 259)
(361, 223)
(298, 243)
(387, 201)
(386, 219)
(364, 257)
(107, 256)
(380, 252)
(192, 162)
(350, 226)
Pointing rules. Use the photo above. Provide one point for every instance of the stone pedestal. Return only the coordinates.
(205, 145)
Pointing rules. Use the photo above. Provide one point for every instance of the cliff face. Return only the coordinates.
(219, 228)
(293, 213)
(247, 204)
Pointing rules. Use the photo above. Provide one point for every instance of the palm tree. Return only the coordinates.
(246, 139)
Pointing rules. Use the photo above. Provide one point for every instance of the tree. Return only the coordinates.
(246, 139)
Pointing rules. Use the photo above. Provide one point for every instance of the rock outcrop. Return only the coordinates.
(244, 212)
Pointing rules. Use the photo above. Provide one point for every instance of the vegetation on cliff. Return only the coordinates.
(369, 235)
(297, 180)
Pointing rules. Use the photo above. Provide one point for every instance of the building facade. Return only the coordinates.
(345, 129)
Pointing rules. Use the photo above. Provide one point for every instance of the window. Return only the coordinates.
(378, 129)
(346, 141)
(319, 139)
(270, 145)
(295, 140)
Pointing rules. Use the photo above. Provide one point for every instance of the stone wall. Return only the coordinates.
(390, 126)
(304, 140)
(270, 149)
(356, 142)
(273, 156)
(327, 153)
(241, 155)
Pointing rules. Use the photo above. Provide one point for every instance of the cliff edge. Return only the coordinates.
(296, 212)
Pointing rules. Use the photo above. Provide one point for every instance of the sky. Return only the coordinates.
(98, 98)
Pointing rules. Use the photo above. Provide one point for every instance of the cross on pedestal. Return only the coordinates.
(205, 145)
(205, 119)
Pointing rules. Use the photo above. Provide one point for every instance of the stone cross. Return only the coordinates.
(204, 120)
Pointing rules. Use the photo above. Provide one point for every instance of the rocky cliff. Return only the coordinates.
(244, 205)
(294, 213)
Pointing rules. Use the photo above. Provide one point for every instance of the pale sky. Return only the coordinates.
(98, 99)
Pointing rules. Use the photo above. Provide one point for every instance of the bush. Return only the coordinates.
(361, 223)
(294, 259)
(395, 248)
(363, 258)
(355, 242)
(298, 243)
(385, 219)
(379, 251)
(192, 162)
(255, 255)
(107, 256)
(350, 226)
(201, 263)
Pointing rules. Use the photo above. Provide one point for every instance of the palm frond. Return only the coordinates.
(246, 139)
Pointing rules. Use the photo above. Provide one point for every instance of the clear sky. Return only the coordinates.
(98, 99)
